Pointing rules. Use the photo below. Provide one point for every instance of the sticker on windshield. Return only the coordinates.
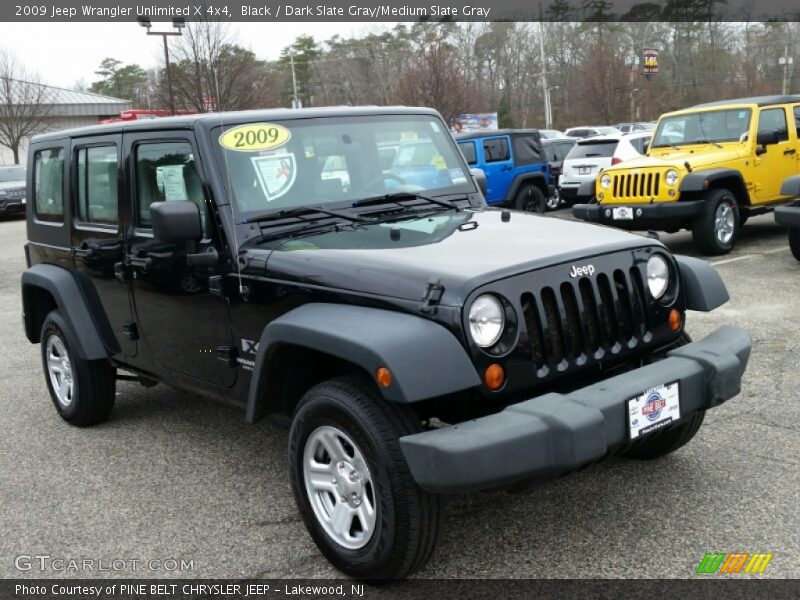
(276, 172)
(255, 137)
(457, 176)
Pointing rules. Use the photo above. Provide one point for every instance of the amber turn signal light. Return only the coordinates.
(675, 319)
(494, 377)
(384, 377)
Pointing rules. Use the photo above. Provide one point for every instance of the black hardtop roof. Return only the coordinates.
(232, 118)
(472, 135)
(757, 100)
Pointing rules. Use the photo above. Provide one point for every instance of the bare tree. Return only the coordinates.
(25, 103)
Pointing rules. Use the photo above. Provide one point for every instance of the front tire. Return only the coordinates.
(82, 391)
(794, 242)
(531, 199)
(716, 229)
(352, 485)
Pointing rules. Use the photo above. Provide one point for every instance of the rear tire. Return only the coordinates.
(82, 391)
(554, 201)
(794, 242)
(389, 525)
(531, 199)
(716, 229)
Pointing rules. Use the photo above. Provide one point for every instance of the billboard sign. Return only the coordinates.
(473, 122)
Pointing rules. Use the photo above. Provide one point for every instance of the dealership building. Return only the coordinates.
(66, 109)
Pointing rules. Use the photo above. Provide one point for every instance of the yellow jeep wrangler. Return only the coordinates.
(708, 169)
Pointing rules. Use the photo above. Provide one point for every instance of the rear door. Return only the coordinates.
(97, 228)
(498, 166)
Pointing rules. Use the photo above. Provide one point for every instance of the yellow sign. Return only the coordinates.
(254, 137)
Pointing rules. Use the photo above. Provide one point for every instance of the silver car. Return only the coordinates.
(12, 190)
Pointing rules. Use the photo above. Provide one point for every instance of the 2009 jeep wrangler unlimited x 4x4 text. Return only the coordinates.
(421, 343)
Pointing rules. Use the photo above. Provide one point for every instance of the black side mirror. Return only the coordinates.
(480, 179)
(765, 138)
(176, 222)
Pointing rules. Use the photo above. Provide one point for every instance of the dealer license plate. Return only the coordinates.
(622, 213)
(584, 170)
(651, 410)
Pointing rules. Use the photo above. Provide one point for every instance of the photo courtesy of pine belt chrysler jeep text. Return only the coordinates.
(340, 267)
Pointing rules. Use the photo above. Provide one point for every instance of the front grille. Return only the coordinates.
(586, 319)
(636, 185)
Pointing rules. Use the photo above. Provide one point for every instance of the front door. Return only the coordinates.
(779, 161)
(186, 328)
(499, 168)
(97, 241)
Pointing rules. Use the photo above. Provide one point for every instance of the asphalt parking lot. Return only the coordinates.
(172, 476)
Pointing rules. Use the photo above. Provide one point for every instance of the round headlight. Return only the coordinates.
(657, 276)
(605, 181)
(486, 320)
(671, 177)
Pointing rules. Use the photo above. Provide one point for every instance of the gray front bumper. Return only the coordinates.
(555, 433)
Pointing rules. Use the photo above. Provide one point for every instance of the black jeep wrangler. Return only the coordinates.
(419, 342)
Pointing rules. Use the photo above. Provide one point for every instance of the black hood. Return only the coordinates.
(462, 249)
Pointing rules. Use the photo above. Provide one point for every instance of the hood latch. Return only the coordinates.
(433, 293)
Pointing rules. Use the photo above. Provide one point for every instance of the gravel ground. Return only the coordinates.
(177, 477)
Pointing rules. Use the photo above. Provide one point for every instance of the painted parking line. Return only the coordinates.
(730, 260)
(776, 250)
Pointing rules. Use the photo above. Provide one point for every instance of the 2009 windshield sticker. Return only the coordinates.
(255, 137)
(276, 173)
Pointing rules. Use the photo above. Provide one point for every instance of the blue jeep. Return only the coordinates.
(517, 171)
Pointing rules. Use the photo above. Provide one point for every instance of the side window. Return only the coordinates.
(773, 119)
(468, 150)
(495, 149)
(166, 172)
(48, 184)
(98, 188)
(796, 111)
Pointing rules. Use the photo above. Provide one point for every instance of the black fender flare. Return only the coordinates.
(426, 360)
(78, 303)
(703, 287)
(536, 177)
(698, 181)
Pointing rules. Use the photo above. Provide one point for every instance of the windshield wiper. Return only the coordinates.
(665, 146)
(709, 142)
(303, 212)
(399, 196)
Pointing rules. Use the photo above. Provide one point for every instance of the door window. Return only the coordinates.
(166, 172)
(796, 111)
(98, 188)
(774, 119)
(468, 150)
(48, 184)
(495, 150)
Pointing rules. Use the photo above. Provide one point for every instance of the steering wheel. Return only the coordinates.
(384, 177)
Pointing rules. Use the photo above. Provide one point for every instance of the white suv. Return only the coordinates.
(591, 155)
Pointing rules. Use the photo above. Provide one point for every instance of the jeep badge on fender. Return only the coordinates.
(300, 263)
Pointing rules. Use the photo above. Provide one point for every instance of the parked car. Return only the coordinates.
(633, 127)
(549, 134)
(220, 261)
(12, 190)
(589, 157)
(517, 171)
(556, 149)
(790, 215)
(709, 168)
(584, 132)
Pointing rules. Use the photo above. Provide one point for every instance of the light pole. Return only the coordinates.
(549, 107)
(178, 23)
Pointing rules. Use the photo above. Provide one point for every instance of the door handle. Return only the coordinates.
(82, 252)
(789, 151)
(507, 167)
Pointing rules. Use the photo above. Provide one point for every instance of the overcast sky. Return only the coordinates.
(63, 53)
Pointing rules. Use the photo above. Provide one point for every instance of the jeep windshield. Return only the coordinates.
(703, 127)
(335, 162)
